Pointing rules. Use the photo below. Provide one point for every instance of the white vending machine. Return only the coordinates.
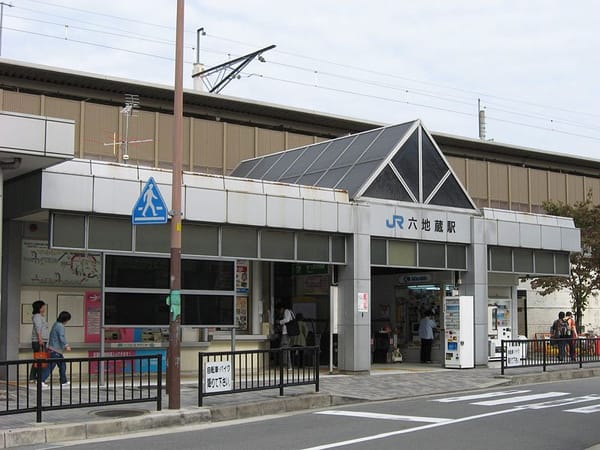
(459, 348)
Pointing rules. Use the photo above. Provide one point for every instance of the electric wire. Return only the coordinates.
(405, 90)
(347, 66)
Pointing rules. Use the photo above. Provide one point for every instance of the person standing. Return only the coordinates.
(57, 344)
(574, 337)
(426, 327)
(300, 340)
(39, 333)
(558, 334)
(286, 315)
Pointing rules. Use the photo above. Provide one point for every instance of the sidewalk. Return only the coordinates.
(386, 382)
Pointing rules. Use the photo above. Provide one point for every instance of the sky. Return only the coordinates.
(532, 66)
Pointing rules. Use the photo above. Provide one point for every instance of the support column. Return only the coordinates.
(475, 283)
(354, 327)
(257, 301)
(10, 294)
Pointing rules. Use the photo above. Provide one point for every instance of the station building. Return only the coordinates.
(359, 226)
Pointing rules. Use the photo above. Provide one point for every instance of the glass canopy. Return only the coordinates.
(398, 162)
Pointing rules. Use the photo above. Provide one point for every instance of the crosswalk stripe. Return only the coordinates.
(563, 402)
(585, 410)
(370, 415)
(479, 396)
(520, 398)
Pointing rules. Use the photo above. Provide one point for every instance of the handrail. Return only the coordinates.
(252, 370)
(99, 381)
(548, 352)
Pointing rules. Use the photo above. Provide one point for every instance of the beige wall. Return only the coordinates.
(212, 146)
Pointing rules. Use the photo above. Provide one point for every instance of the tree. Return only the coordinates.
(584, 279)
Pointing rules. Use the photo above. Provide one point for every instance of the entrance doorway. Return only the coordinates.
(305, 289)
(400, 300)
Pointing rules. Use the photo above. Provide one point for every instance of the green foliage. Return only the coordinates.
(584, 280)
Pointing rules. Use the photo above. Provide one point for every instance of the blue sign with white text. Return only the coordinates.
(150, 207)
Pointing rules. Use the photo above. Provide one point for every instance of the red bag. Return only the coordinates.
(41, 355)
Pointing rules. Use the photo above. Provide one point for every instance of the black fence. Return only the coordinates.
(548, 352)
(255, 370)
(91, 382)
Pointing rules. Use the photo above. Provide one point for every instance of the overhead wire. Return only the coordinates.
(413, 91)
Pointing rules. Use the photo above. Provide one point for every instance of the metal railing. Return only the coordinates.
(548, 352)
(92, 382)
(254, 370)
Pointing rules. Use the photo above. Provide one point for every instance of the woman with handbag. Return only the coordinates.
(39, 335)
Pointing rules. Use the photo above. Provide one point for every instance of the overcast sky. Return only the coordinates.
(534, 64)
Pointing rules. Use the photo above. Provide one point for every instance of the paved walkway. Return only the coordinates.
(385, 382)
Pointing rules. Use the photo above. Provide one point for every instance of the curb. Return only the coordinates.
(46, 433)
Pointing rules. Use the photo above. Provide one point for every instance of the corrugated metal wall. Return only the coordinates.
(213, 146)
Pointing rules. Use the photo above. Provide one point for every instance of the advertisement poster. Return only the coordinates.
(241, 313)
(113, 366)
(93, 316)
(363, 302)
(241, 277)
(129, 365)
(44, 266)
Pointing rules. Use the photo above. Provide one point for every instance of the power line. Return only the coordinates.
(478, 94)
(331, 74)
(110, 33)
(111, 16)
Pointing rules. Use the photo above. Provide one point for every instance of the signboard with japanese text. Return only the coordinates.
(241, 277)
(217, 376)
(93, 315)
(513, 355)
(419, 224)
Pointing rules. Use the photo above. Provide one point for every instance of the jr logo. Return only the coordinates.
(396, 220)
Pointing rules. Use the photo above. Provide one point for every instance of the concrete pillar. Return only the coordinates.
(10, 294)
(475, 283)
(354, 327)
(259, 303)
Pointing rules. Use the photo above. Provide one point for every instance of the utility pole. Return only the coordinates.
(174, 359)
(2, 5)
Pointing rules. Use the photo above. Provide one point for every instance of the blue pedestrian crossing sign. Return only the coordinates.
(150, 207)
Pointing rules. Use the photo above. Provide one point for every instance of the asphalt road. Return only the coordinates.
(559, 415)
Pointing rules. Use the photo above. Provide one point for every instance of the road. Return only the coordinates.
(559, 415)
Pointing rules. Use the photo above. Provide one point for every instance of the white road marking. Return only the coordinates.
(563, 402)
(411, 430)
(520, 398)
(478, 396)
(585, 410)
(371, 415)
(443, 422)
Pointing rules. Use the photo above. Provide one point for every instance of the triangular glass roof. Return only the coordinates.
(398, 162)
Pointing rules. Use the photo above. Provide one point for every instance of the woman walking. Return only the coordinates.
(57, 344)
(39, 334)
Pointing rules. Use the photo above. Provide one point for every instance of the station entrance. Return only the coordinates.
(400, 300)
(305, 288)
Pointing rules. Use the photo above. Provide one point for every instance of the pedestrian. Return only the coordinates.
(558, 334)
(286, 315)
(299, 340)
(57, 344)
(574, 337)
(39, 334)
(426, 327)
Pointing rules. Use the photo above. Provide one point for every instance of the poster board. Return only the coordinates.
(74, 304)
